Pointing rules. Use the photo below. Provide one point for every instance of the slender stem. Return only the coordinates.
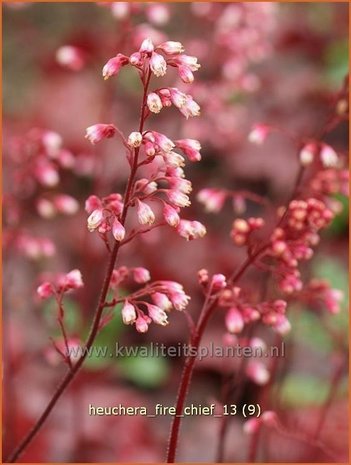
(100, 306)
(333, 389)
(227, 396)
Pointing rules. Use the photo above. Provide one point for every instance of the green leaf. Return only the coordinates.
(335, 272)
(309, 332)
(341, 221)
(337, 61)
(301, 390)
(147, 372)
(72, 315)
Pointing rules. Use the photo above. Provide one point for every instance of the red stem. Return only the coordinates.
(195, 340)
(100, 306)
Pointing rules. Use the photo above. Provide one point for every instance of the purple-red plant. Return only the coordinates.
(165, 185)
(252, 280)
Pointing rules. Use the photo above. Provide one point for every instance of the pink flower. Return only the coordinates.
(240, 231)
(136, 59)
(158, 14)
(45, 208)
(185, 74)
(52, 142)
(191, 229)
(307, 154)
(178, 198)
(158, 64)
(164, 143)
(92, 203)
(95, 219)
(118, 230)
(154, 103)
(177, 97)
(190, 147)
(269, 418)
(120, 10)
(186, 60)
(234, 321)
(141, 324)
(190, 108)
(47, 174)
(171, 48)
(135, 139)
(66, 204)
(70, 57)
(329, 157)
(212, 199)
(218, 282)
(45, 290)
(282, 325)
(129, 314)
(97, 132)
(171, 216)
(174, 159)
(333, 298)
(73, 279)
(141, 275)
(113, 66)
(144, 213)
(179, 299)
(158, 315)
(252, 426)
(162, 301)
(259, 134)
(147, 46)
(257, 372)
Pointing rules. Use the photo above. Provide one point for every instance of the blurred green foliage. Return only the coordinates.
(146, 372)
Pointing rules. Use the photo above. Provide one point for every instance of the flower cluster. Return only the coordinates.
(156, 13)
(157, 59)
(39, 155)
(331, 181)
(213, 199)
(240, 313)
(317, 151)
(150, 303)
(60, 203)
(293, 241)
(34, 248)
(35, 160)
(242, 229)
(217, 283)
(60, 284)
(319, 293)
(104, 215)
(167, 184)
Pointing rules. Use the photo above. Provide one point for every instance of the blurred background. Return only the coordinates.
(275, 63)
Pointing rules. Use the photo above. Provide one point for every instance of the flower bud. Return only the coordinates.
(171, 48)
(145, 213)
(97, 132)
(128, 314)
(158, 64)
(141, 275)
(154, 103)
(118, 230)
(135, 139)
(234, 321)
(95, 219)
(45, 290)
